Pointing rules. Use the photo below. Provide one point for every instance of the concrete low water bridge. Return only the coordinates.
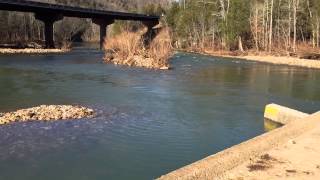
(50, 13)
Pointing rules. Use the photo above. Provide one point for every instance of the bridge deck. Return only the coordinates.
(69, 11)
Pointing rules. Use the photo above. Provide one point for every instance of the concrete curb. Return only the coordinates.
(281, 114)
(217, 165)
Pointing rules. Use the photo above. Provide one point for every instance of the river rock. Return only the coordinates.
(46, 113)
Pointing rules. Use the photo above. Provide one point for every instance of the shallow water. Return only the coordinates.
(149, 122)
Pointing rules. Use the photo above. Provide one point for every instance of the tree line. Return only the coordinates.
(284, 26)
(263, 25)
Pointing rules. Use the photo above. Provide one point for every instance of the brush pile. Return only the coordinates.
(128, 48)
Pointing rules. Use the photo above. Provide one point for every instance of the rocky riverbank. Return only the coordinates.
(265, 58)
(290, 61)
(31, 51)
(46, 113)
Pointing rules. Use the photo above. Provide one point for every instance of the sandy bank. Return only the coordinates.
(291, 61)
(30, 51)
(279, 60)
(292, 151)
(46, 113)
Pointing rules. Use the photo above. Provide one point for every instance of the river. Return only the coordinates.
(148, 122)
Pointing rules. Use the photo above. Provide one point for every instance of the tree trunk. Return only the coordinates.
(295, 7)
(240, 44)
(289, 24)
(256, 26)
(278, 26)
(263, 25)
(271, 26)
(224, 18)
(213, 33)
(312, 24)
(318, 29)
(223, 10)
(266, 25)
(313, 38)
(203, 27)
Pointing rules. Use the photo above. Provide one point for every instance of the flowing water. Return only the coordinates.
(148, 122)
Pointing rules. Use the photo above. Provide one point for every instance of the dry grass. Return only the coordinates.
(128, 49)
(160, 49)
(123, 47)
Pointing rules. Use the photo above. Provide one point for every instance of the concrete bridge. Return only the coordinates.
(50, 13)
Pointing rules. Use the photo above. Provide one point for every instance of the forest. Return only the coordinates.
(277, 26)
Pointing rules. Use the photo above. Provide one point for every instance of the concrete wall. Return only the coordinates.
(217, 166)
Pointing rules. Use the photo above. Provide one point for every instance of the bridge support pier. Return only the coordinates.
(151, 33)
(49, 20)
(103, 24)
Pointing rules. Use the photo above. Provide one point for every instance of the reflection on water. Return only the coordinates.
(149, 122)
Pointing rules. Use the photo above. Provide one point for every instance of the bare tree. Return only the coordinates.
(295, 8)
(271, 26)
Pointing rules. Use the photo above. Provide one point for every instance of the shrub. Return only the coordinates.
(128, 49)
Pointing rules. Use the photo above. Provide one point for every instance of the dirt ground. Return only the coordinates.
(298, 159)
